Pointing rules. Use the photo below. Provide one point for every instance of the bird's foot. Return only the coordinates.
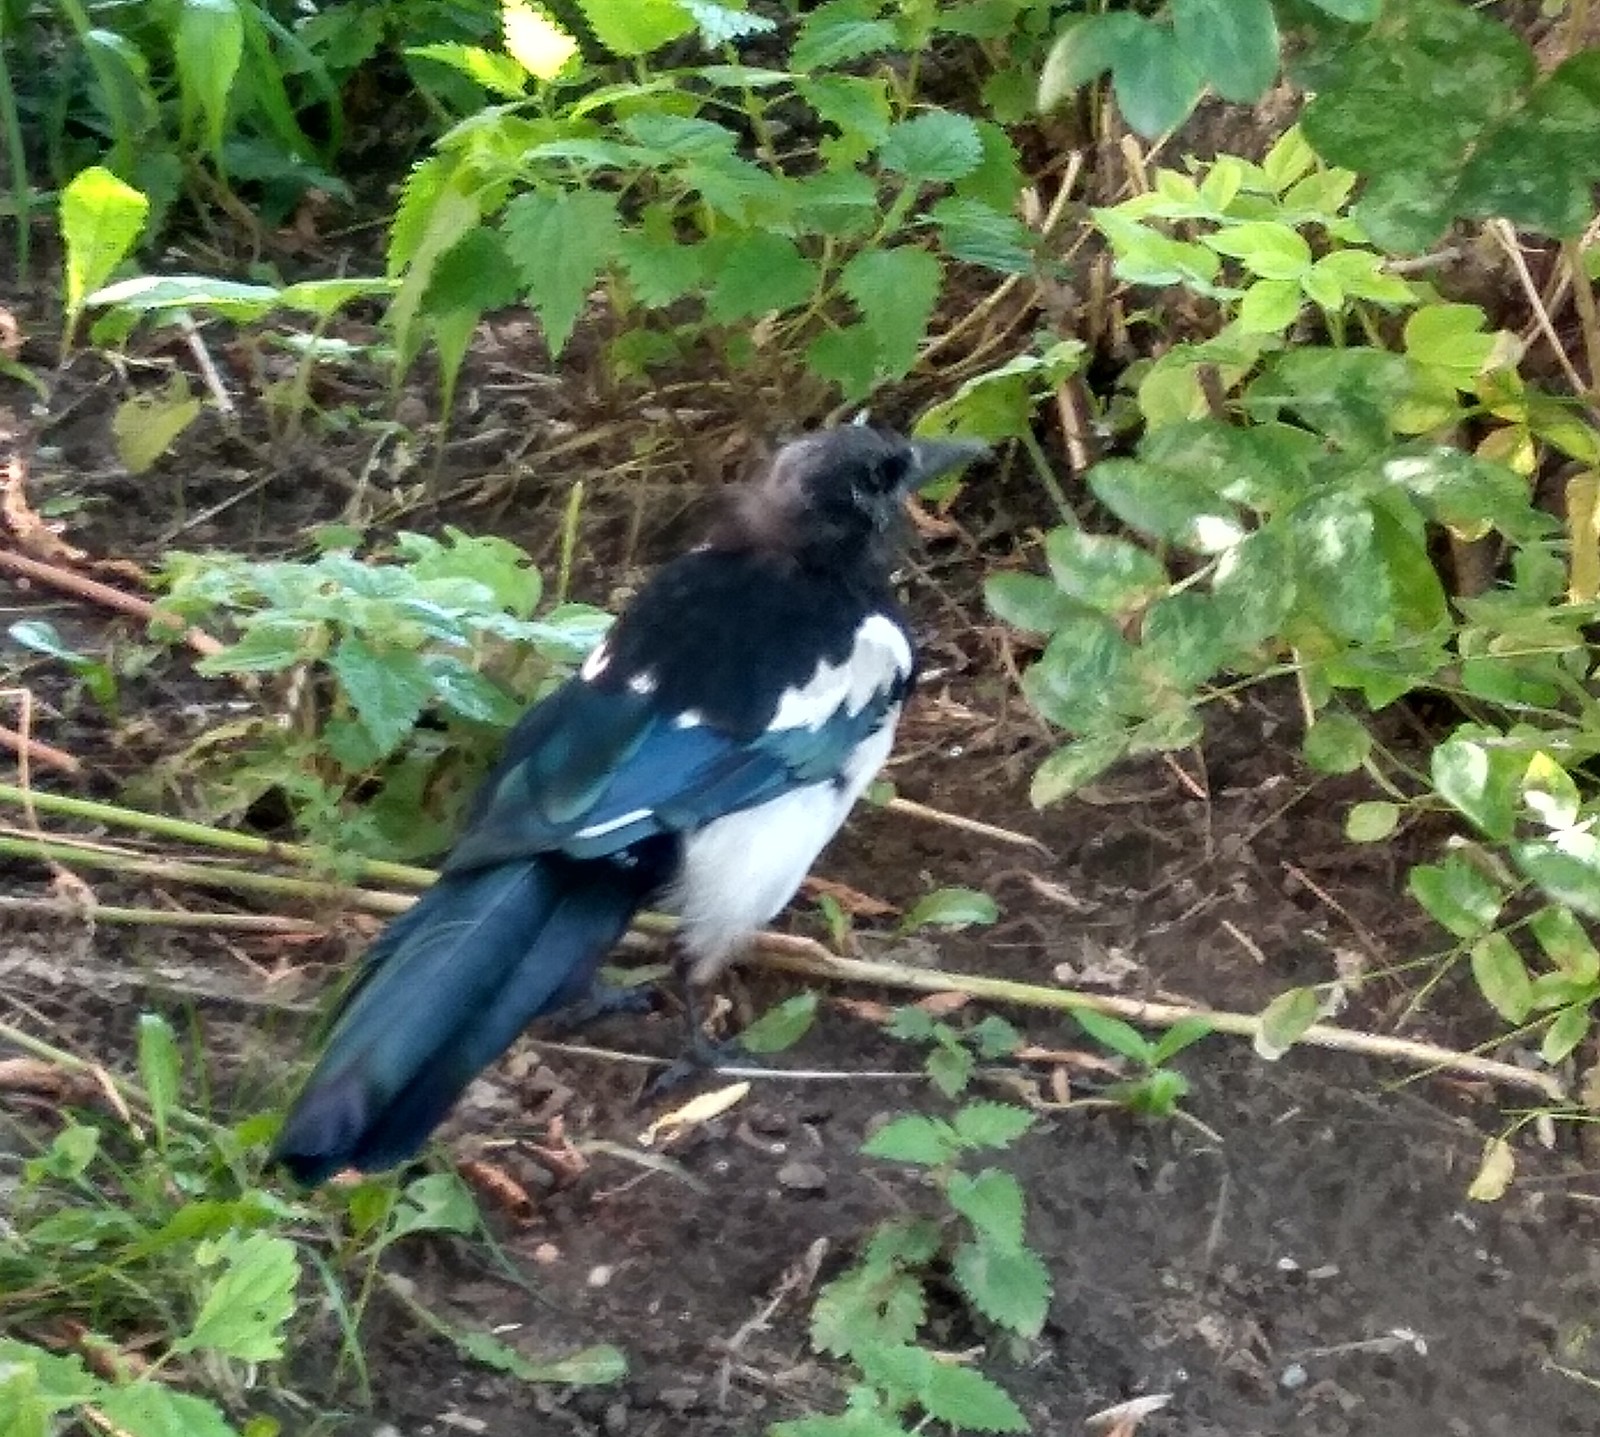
(701, 1055)
(603, 1000)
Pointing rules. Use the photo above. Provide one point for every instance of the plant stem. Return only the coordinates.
(161, 826)
(205, 875)
(16, 158)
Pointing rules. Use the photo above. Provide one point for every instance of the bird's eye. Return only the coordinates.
(889, 473)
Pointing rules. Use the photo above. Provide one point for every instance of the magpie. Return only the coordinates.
(701, 758)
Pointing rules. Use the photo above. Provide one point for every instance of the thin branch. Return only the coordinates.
(163, 917)
(44, 754)
(913, 809)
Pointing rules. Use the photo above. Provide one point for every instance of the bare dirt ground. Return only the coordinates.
(1312, 1267)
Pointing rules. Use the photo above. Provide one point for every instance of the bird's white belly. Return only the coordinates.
(739, 871)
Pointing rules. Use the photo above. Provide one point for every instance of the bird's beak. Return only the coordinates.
(934, 458)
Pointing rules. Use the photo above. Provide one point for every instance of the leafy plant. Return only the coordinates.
(150, 1281)
(953, 1054)
(406, 675)
(872, 1314)
(710, 218)
(1155, 1090)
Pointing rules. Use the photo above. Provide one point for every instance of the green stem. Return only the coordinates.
(162, 917)
(16, 157)
(205, 875)
(162, 826)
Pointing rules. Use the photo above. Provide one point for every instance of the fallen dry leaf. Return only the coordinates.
(495, 1183)
(695, 1112)
(1123, 1419)
(941, 1005)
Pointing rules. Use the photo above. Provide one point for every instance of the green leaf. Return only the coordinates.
(895, 290)
(1456, 894)
(969, 1401)
(1074, 765)
(756, 274)
(927, 1142)
(1186, 635)
(1357, 12)
(781, 1026)
(388, 687)
(1270, 306)
(1343, 574)
(559, 242)
(1086, 46)
(935, 147)
(1113, 1033)
(1502, 977)
(1337, 743)
(101, 217)
(1085, 677)
(1568, 1029)
(1166, 501)
(59, 1382)
(1185, 1033)
(1478, 780)
(1155, 80)
(1026, 601)
(1565, 943)
(1372, 821)
(636, 27)
(1233, 42)
(439, 1202)
(207, 47)
(1266, 248)
(990, 1125)
(1549, 792)
(1284, 1021)
(146, 425)
(1566, 866)
(951, 908)
(1106, 573)
(856, 106)
(950, 1066)
(1009, 1286)
(1495, 1171)
(160, 1071)
(840, 31)
(270, 644)
(865, 1308)
(992, 1202)
(69, 1154)
(147, 1409)
(251, 1301)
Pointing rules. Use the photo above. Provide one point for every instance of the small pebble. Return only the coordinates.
(802, 1178)
(1292, 1377)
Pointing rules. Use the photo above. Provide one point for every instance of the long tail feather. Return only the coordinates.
(441, 995)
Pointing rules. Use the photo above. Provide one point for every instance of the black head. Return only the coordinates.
(838, 493)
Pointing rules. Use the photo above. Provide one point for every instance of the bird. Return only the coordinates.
(700, 759)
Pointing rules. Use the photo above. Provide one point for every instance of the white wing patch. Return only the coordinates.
(879, 657)
(740, 870)
(596, 663)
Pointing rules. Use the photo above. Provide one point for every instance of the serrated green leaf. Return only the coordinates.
(992, 1201)
(895, 290)
(1284, 1021)
(388, 688)
(951, 908)
(1234, 43)
(950, 1067)
(1456, 894)
(990, 1125)
(251, 1301)
(636, 27)
(101, 217)
(867, 1308)
(1009, 1286)
(267, 646)
(781, 1026)
(1104, 572)
(559, 242)
(935, 147)
(1266, 248)
(969, 1401)
(840, 31)
(1337, 743)
(160, 1071)
(856, 106)
(147, 1409)
(1502, 977)
(1372, 821)
(927, 1142)
(756, 274)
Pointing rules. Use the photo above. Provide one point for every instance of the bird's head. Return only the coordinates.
(841, 491)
